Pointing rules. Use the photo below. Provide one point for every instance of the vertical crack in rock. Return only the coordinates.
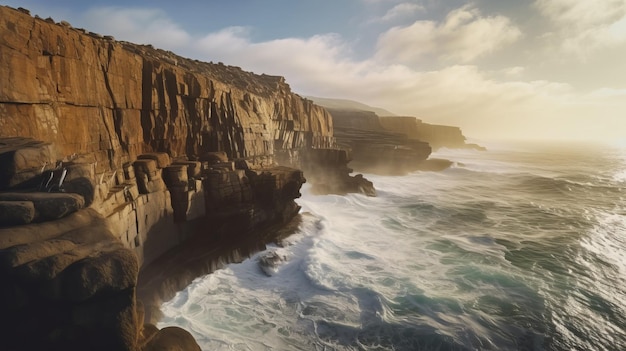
(116, 110)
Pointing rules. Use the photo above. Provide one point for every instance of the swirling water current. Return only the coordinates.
(515, 248)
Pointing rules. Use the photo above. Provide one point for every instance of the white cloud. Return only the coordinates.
(138, 25)
(608, 93)
(514, 72)
(401, 11)
(463, 95)
(463, 36)
(586, 25)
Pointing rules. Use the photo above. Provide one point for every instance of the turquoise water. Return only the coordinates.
(516, 248)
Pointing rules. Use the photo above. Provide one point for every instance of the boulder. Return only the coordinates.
(175, 176)
(22, 160)
(194, 168)
(48, 206)
(16, 212)
(145, 166)
(110, 272)
(83, 186)
(172, 339)
(162, 158)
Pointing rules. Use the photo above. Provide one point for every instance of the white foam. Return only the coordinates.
(407, 258)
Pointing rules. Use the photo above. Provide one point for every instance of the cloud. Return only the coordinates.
(586, 25)
(514, 72)
(138, 25)
(462, 37)
(401, 11)
(459, 94)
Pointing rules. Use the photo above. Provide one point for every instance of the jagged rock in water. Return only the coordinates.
(270, 261)
(328, 172)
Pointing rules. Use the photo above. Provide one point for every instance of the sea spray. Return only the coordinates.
(512, 249)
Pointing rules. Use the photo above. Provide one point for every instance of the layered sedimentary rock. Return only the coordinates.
(375, 149)
(111, 101)
(65, 283)
(436, 135)
(152, 149)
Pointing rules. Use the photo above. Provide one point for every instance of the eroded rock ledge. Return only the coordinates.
(392, 144)
(111, 155)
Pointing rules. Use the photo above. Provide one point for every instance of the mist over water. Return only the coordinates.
(516, 248)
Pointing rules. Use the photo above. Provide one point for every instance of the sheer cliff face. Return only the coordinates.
(111, 101)
(436, 135)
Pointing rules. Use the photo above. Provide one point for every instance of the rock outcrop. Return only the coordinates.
(113, 154)
(66, 283)
(328, 169)
(437, 136)
(375, 149)
(392, 144)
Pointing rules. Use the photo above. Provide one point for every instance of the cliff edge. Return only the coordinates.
(113, 154)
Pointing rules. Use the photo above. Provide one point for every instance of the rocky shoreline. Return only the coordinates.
(127, 171)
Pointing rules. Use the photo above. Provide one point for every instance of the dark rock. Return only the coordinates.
(327, 171)
(270, 261)
(175, 176)
(214, 157)
(172, 339)
(16, 212)
(83, 186)
(145, 166)
(162, 158)
(109, 272)
(194, 168)
(48, 206)
(147, 333)
(66, 285)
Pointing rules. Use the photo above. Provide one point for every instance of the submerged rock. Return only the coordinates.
(270, 261)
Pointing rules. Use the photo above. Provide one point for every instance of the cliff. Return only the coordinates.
(110, 101)
(436, 135)
(113, 154)
(374, 148)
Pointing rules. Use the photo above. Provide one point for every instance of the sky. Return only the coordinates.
(499, 69)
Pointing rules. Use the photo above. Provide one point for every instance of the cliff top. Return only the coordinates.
(348, 105)
(260, 84)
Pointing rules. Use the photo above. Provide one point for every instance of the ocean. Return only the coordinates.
(521, 247)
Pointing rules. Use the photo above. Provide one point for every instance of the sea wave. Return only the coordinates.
(508, 250)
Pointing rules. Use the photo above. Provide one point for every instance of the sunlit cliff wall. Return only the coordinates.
(112, 101)
(151, 147)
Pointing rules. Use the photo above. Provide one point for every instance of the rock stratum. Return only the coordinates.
(392, 144)
(121, 160)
